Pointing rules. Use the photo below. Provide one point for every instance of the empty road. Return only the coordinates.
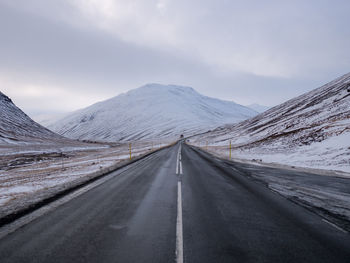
(177, 205)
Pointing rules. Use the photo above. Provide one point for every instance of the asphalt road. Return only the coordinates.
(177, 206)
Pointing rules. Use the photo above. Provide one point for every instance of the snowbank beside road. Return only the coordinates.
(42, 175)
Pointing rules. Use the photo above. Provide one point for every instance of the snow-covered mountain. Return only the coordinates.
(312, 130)
(16, 127)
(151, 111)
(46, 119)
(258, 108)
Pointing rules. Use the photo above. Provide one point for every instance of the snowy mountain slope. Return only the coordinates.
(258, 108)
(47, 119)
(151, 111)
(16, 127)
(310, 129)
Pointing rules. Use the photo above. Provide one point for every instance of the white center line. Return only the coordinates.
(177, 164)
(179, 230)
(178, 161)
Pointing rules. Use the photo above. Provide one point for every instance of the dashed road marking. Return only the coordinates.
(179, 227)
(178, 162)
(177, 165)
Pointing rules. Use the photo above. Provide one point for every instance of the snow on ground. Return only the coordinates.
(29, 176)
(330, 154)
(311, 130)
(36, 163)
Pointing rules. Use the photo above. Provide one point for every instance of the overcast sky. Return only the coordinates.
(62, 55)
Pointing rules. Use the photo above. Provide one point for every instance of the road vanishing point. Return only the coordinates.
(176, 205)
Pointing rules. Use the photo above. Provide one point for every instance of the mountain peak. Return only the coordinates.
(156, 87)
(151, 111)
(3, 97)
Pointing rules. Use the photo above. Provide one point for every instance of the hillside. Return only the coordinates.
(17, 128)
(258, 108)
(310, 130)
(151, 111)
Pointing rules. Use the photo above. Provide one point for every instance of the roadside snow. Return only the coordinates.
(330, 154)
(30, 176)
(312, 130)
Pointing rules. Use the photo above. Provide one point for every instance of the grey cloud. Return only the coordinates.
(39, 49)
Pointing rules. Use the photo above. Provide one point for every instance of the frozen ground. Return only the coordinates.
(330, 154)
(32, 173)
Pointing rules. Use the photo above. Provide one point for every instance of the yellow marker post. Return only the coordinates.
(206, 146)
(130, 150)
(230, 150)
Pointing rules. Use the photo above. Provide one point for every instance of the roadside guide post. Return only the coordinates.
(230, 149)
(130, 151)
